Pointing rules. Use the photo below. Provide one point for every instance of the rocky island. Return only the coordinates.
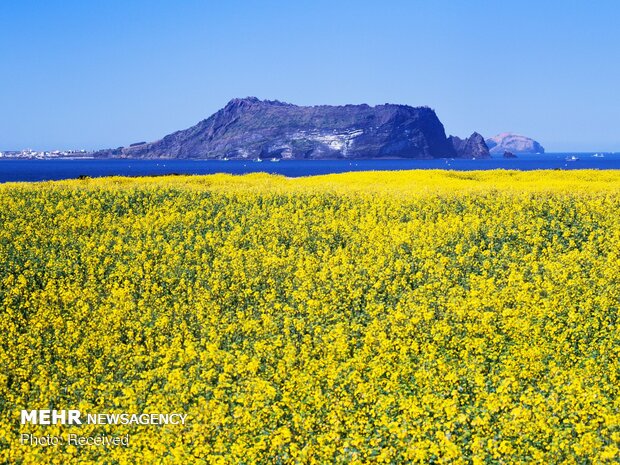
(250, 128)
(513, 143)
(472, 147)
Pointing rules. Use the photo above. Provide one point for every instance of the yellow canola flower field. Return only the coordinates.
(372, 317)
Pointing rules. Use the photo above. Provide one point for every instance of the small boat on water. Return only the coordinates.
(598, 155)
(225, 159)
(258, 160)
(275, 160)
(572, 158)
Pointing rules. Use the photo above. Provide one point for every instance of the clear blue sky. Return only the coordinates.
(94, 74)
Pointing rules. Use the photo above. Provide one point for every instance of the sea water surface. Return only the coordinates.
(47, 170)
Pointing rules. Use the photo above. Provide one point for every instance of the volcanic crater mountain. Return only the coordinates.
(250, 128)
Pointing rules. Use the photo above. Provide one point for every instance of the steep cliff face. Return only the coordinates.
(471, 147)
(515, 143)
(251, 128)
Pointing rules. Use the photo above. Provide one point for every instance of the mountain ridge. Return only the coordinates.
(250, 128)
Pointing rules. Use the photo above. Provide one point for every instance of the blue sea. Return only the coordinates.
(46, 170)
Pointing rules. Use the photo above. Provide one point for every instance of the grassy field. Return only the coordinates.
(380, 317)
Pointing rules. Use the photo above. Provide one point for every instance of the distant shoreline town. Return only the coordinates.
(44, 154)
